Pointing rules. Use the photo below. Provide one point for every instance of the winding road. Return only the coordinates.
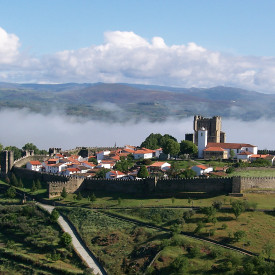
(81, 250)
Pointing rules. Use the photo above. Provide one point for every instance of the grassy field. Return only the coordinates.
(29, 242)
(122, 247)
(259, 226)
(254, 172)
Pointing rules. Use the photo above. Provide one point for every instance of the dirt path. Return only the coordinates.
(81, 250)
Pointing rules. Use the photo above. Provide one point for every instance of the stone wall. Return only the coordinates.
(257, 183)
(23, 161)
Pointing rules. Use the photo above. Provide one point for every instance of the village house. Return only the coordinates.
(159, 166)
(34, 165)
(114, 175)
(202, 169)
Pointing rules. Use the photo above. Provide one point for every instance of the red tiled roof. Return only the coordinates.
(259, 156)
(158, 164)
(73, 169)
(117, 173)
(245, 153)
(214, 149)
(202, 166)
(35, 162)
(229, 145)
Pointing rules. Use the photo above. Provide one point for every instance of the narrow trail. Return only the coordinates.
(189, 235)
(85, 254)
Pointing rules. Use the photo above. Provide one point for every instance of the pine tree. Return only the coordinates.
(64, 193)
(14, 180)
(20, 183)
(33, 189)
(93, 197)
(79, 196)
(143, 172)
(38, 184)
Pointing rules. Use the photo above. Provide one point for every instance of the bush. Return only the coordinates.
(11, 193)
(54, 216)
(66, 239)
(238, 235)
(194, 252)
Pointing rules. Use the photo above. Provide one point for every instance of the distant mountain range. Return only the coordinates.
(121, 102)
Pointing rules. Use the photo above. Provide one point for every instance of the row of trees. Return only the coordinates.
(18, 152)
(170, 145)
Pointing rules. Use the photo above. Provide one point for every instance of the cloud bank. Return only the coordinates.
(128, 57)
(55, 130)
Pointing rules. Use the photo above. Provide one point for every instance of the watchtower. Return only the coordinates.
(7, 160)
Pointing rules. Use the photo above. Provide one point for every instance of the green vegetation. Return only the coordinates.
(31, 244)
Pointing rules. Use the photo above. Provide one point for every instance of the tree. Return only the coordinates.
(93, 160)
(33, 189)
(11, 192)
(171, 147)
(179, 265)
(20, 183)
(267, 249)
(209, 212)
(54, 216)
(101, 174)
(66, 239)
(143, 172)
(31, 146)
(188, 147)
(174, 170)
(79, 196)
(38, 184)
(16, 151)
(64, 193)
(232, 153)
(14, 180)
(155, 141)
(188, 173)
(93, 197)
(238, 208)
(238, 235)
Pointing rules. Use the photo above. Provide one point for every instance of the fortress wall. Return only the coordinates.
(257, 183)
(23, 161)
(121, 185)
(72, 185)
(208, 185)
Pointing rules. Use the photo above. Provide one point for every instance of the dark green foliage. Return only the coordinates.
(188, 214)
(31, 146)
(93, 197)
(11, 192)
(66, 239)
(38, 184)
(64, 193)
(267, 249)
(79, 196)
(200, 226)
(54, 216)
(33, 189)
(101, 174)
(20, 183)
(16, 151)
(238, 208)
(93, 160)
(143, 172)
(174, 171)
(171, 147)
(188, 173)
(147, 162)
(194, 252)
(188, 147)
(217, 204)
(119, 200)
(155, 141)
(230, 170)
(257, 163)
(179, 265)
(209, 212)
(7, 180)
(238, 235)
(122, 165)
(13, 180)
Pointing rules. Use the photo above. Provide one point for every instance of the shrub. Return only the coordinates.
(66, 239)
(194, 252)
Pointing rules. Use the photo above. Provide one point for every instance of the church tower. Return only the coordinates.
(202, 141)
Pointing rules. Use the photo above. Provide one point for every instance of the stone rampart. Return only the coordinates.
(23, 161)
(208, 185)
(257, 183)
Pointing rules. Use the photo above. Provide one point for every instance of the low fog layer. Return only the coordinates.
(56, 130)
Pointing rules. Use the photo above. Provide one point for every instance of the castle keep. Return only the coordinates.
(212, 125)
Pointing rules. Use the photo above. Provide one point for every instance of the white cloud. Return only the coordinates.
(9, 44)
(128, 57)
(56, 130)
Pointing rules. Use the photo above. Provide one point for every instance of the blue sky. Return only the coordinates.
(200, 43)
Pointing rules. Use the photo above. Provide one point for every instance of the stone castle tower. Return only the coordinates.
(212, 125)
(7, 160)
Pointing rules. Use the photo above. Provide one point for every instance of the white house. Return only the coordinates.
(89, 165)
(100, 155)
(244, 156)
(235, 147)
(114, 175)
(157, 152)
(201, 169)
(54, 168)
(143, 153)
(34, 165)
(70, 171)
(163, 166)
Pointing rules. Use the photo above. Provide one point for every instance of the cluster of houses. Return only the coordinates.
(76, 165)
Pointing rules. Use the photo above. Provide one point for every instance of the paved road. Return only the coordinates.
(77, 245)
